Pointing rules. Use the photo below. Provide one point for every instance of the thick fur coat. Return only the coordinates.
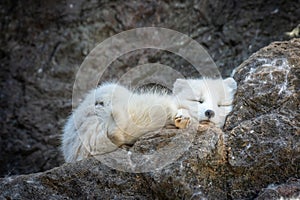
(111, 115)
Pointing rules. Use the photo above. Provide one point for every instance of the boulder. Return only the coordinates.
(88, 179)
(263, 131)
(281, 191)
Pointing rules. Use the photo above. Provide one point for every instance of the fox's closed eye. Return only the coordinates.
(224, 105)
(198, 101)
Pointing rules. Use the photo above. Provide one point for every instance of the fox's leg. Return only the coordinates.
(118, 137)
(182, 119)
(119, 131)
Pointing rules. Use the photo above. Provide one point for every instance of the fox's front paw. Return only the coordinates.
(182, 119)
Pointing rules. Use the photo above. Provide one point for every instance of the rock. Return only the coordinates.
(187, 177)
(263, 131)
(290, 189)
(87, 179)
(198, 174)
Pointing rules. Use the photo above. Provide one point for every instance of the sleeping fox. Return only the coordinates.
(112, 115)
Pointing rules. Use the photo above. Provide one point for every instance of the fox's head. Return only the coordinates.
(206, 99)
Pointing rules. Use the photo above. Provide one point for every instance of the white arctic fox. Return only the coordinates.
(111, 115)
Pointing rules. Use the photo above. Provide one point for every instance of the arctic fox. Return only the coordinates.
(112, 115)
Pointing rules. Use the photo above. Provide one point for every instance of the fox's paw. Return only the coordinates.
(182, 119)
(182, 122)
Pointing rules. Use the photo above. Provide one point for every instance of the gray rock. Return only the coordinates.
(263, 131)
(88, 179)
(290, 189)
(190, 176)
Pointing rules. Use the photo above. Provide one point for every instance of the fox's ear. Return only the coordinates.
(231, 83)
(179, 85)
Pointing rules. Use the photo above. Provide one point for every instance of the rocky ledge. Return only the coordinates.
(255, 156)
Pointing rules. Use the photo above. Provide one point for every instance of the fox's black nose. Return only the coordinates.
(209, 114)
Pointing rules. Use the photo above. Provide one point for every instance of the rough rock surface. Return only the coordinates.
(257, 151)
(290, 189)
(84, 180)
(190, 176)
(263, 132)
(43, 43)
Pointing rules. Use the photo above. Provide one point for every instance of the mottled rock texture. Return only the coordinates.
(257, 155)
(263, 132)
(288, 190)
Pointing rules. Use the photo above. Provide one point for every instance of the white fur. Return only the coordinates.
(112, 115)
(200, 95)
(112, 112)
